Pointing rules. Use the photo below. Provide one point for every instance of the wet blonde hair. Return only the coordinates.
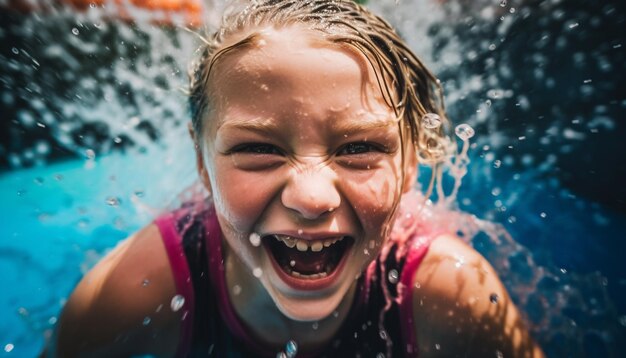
(407, 86)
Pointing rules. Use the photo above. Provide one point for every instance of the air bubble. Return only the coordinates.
(75, 31)
(393, 276)
(380, 355)
(503, 3)
(15, 50)
(291, 348)
(622, 320)
(146, 321)
(255, 239)
(177, 302)
(464, 131)
(499, 354)
(383, 334)
(8, 347)
(493, 298)
(437, 346)
(257, 272)
(315, 325)
(145, 282)
(431, 121)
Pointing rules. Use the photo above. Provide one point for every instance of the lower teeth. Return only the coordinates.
(313, 276)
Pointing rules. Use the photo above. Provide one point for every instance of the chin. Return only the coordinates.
(308, 309)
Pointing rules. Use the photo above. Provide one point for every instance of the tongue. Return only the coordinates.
(307, 262)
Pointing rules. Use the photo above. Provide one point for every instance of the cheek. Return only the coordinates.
(241, 197)
(372, 196)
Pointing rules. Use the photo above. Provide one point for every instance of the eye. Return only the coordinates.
(256, 148)
(358, 148)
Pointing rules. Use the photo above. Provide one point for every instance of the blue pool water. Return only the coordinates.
(94, 145)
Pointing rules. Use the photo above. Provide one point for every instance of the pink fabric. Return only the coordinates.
(415, 256)
(182, 278)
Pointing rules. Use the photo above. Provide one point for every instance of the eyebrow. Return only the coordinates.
(267, 125)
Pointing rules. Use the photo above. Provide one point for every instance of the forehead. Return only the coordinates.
(294, 67)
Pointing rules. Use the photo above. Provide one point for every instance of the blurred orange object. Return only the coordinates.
(189, 10)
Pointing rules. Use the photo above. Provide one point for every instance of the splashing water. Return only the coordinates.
(85, 86)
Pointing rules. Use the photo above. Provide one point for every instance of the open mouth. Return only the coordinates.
(307, 259)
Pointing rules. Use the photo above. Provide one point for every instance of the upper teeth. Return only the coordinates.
(304, 245)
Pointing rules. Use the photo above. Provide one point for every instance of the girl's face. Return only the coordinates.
(304, 162)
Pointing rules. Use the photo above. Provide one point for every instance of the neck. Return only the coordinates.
(256, 309)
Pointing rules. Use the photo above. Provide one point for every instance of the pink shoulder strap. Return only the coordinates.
(182, 279)
(415, 256)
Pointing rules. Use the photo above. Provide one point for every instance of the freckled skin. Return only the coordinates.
(279, 93)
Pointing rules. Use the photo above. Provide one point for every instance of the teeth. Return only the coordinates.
(301, 245)
(317, 246)
(304, 245)
(314, 276)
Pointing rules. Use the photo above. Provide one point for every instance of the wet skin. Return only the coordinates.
(299, 142)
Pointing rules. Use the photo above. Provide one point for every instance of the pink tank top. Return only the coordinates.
(171, 225)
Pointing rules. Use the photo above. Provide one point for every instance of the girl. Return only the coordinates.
(307, 123)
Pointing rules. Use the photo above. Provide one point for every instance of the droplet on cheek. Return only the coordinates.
(255, 239)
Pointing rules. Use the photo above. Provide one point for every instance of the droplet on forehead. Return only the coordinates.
(431, 121)
(464, 131)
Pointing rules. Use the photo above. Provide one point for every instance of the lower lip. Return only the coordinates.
(310, 284)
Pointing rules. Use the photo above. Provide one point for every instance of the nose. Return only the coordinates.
(312, 193)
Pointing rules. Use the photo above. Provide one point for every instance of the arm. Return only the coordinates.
(455, 314)
(122, 306)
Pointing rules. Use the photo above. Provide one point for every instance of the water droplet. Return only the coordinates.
(543, 215)
(146, 321)
(145, 282)
(493, 298)
(52, 320)
(113, 201)
(75, 31)
(292, 263)
(92, 5)
(380, 355)
(503, 3)
(58, 177)
(177, 302)
(39, 180)
(15, 50)
(8, 347)
(393, 276)
(437, 346)
(383, 334)
(464, 131)
(281, 355)
(90, 154)
(236, 290)
(139, 193)
(300, 231)
(497, 164)
(622, 320)
(255, 239)
(499, 354)
(257, 272)
(431, 121)
(291, 349)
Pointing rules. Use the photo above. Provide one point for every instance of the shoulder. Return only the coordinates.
(461, 307)
(122, 306)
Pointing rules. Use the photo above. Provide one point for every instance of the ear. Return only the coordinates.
(410, 169)
(200, 166)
